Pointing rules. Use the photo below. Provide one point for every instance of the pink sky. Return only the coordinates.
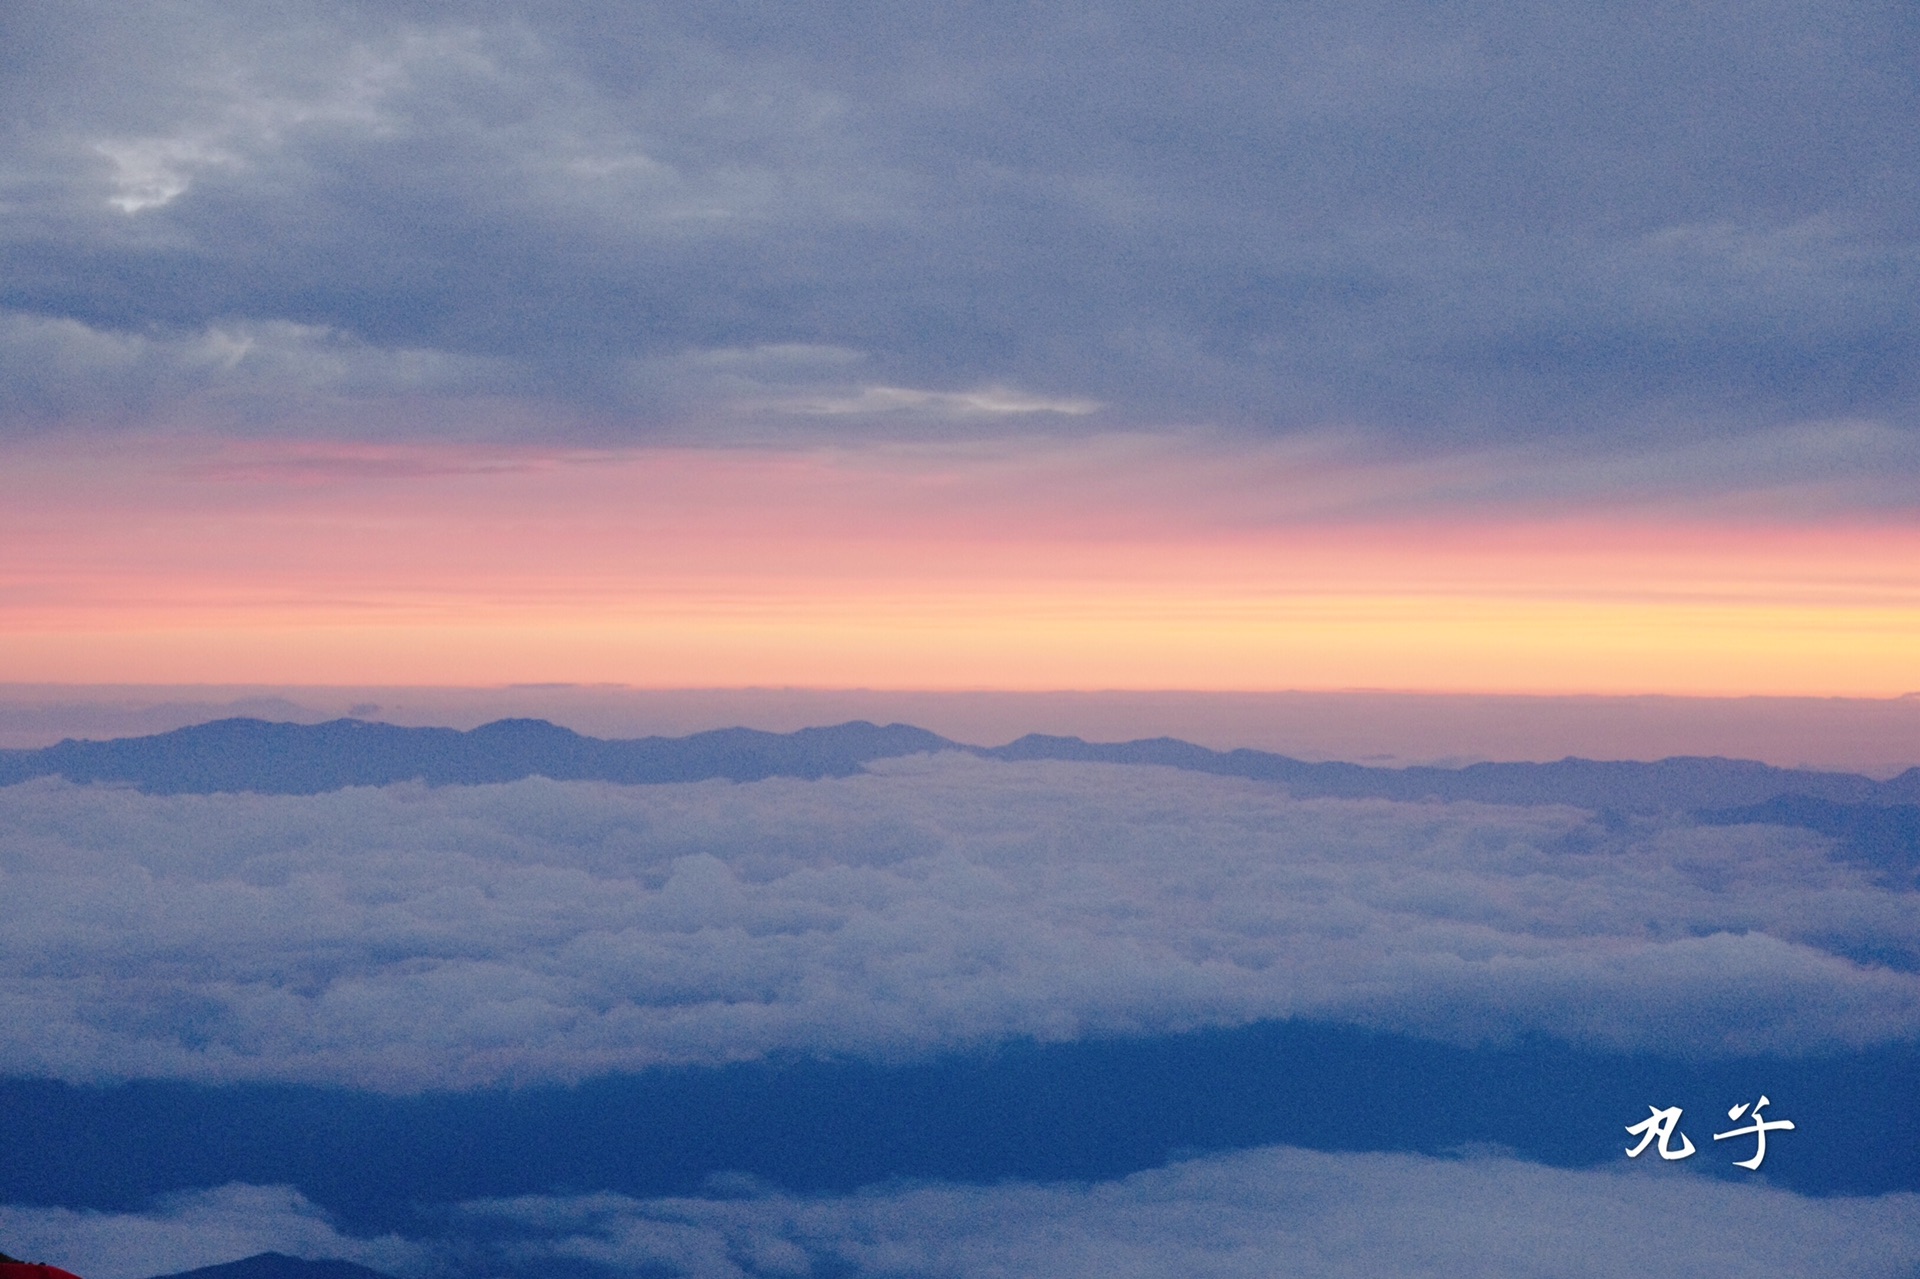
(1119, 562)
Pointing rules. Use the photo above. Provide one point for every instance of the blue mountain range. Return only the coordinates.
(1876, 823)
(308, 759)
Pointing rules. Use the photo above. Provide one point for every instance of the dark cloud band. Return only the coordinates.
(1463, 225)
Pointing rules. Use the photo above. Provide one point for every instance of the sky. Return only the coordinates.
(1377, 380)
(1479, 348)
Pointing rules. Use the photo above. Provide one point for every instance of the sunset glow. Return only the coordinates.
(1062, 639)
(1117, 567)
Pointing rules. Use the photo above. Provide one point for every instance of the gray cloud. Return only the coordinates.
(1271, 1212)
(1262, 1213)
(199, 1228)
(241, 375)
(1446, 226)
(402, 938)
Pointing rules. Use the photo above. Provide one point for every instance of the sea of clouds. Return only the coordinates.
(404, 937)
(1269, 1212)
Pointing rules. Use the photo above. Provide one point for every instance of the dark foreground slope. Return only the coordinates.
(307, 759)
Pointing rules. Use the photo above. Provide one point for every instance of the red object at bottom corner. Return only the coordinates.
(30, 1270)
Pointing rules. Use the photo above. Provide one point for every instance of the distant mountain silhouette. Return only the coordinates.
(307, 759)
(1683, 782)
(277, 1265)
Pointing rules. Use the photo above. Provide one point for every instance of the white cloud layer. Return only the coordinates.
(1265, 1213)
(403, 937)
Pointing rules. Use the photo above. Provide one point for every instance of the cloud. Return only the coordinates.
(1262, 1213)
(186, 1231)
(896, 399)
(1455, 227)
(1269, 1212)
(404, 938)
(239, 375)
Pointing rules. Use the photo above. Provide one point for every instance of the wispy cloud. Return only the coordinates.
(896, 399)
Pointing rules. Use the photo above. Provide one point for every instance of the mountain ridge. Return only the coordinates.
(268, 757)
(1680, 781)
(278, 1265)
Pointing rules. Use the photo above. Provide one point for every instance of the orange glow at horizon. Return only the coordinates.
(180, 561)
